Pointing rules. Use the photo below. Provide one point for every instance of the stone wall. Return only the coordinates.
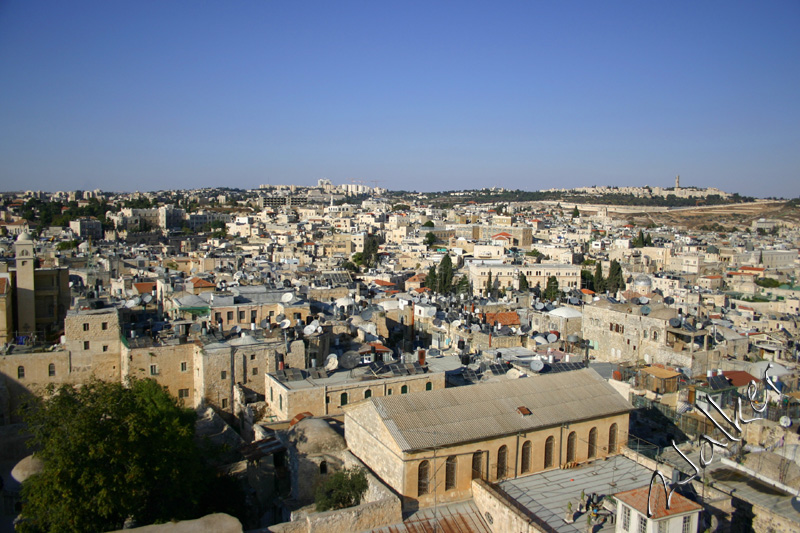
(498, 513)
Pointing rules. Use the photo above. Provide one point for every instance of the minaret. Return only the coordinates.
(677, 182)
(25, 296)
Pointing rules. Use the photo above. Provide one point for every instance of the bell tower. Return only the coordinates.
(25, 294)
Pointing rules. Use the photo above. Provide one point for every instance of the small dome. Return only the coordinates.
(24, 236)
(314, 436)
(26, 468)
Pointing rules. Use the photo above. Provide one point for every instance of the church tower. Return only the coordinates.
(677, 182)
(25, 296)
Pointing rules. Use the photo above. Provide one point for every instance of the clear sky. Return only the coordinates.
(429, 95)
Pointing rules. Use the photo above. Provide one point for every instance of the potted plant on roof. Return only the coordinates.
(569, 517)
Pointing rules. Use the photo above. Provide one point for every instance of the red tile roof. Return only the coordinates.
(587, 291)
(382, 283)
(637, 498)
(147, 286)
(198, 283)
(739, 378)
(753, 269)
(510, 318)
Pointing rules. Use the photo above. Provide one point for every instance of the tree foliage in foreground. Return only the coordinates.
(112, 453)
(342, 489)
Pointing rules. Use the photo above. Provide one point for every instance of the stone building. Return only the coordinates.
(429, 447)
(507, 276)
(327, 393)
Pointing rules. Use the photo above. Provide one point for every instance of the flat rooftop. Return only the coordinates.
(546, 494)
(362, 373)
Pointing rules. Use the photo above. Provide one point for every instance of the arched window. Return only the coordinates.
(477, 464)
(323, 467)
(51, 370)
(429, 386)
(549, 444)
(404, 389)
(593, 442)
(655, 335)
(343, 398)
(20, 372)
(572, 445)
(612, 439)
(422, 478)
(526, 457)
(502, 461)
(367, 394)
(450, 473)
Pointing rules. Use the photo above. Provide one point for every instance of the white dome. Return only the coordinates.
(566, 312)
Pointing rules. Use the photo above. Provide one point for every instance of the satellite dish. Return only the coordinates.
(285, 323)
(331, 362)
(635, 300)
(147, 298)
(537, 365)
(319, 329)
(675, 322)
(366, 314)
(130, 303)
(646, 310)
(137, 300)
(350, 360)
(309, 330)
(551, 338)
(236, 329)
(539, 306)
(785, 421)
(475, 328)
(315, 323)
(456, 323)
(287, 297)
(264, 323)
(669, 300)
(280, 318)
(573, 338)
(644, 300)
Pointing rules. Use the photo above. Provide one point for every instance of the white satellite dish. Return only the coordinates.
(785, 421)
(287, 297)
(456, 323)
(285, 323)
(236, 329)
(137, 300)
(309, 330)
(147, 298)
(537, 365)
(130, 303)
(319, 329)
(315, 323)
(331, 362)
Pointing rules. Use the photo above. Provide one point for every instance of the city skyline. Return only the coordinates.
(529, 96)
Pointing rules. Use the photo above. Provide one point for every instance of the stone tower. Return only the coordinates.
(25, 296)
(677, 182)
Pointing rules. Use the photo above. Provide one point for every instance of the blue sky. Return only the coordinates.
(424, 96)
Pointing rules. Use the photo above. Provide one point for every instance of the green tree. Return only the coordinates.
(342, 489)
(111, 453)
(599, 281)
(430, 238)
(523, 282)
(445, 274)
(615, 280)
(428, 224)
(463, 285)
(587, 280)
(575, 212)
(489, 287)
(551, 291)
(430, 279)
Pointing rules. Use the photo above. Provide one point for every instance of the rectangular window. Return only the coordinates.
(662, 526)
(253, 316)
(104, 325)
(85, 345)
(105, 347)
(223, 375)
(252, 357)
(687, 524)
(183, 393)
(642, 524)
(153, 370)
(224, 403)
(85, 327)
(255, 371)
(184, 366)
(241, 316)
(230, 316)
(626, 518)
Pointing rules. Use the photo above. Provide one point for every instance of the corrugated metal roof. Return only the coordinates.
(463, 414)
